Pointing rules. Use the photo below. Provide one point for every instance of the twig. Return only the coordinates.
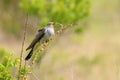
(21, 54)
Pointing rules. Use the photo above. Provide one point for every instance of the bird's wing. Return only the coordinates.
(37, 38)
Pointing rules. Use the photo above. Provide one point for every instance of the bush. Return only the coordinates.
(62, 11)
(7, 63)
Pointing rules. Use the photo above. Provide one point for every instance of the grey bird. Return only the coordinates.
(43, 34)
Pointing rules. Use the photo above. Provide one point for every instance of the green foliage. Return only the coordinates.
(7, 62)
(3, 52)
(23, 72)
(62, 11)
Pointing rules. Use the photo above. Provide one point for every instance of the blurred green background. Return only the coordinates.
(88, 51)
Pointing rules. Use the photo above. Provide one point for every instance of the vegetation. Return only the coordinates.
(85, 47)
(64, 12)
(8, 64)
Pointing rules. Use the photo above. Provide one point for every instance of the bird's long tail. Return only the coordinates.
(29, 55)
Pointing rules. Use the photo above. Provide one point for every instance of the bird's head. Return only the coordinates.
(51, 24)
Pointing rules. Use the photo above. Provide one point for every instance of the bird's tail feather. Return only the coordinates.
(29, 55)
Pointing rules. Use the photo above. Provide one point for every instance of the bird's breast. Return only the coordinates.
(48, 33)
